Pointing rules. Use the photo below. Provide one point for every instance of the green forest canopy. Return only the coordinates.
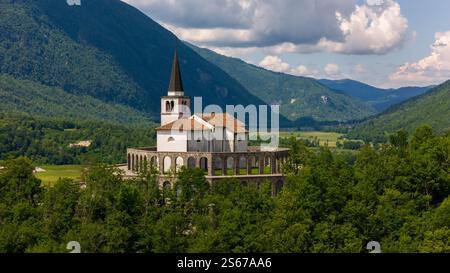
(397, 195)
(46, 141)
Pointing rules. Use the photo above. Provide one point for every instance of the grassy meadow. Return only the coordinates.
(53, 173)
(329, 139)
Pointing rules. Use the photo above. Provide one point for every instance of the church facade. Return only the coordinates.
(214, 142)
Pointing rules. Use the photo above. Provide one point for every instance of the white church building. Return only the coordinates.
(214, 142)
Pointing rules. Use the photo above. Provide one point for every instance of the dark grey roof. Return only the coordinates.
(176, 83)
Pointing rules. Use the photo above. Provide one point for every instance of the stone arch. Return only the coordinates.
(204, 163)
(141, 163)
(154, 162)
(129, 162)
(167, 164)
(217, 166)
(191, 163)
(179, 163)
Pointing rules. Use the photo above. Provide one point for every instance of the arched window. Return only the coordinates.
(168, 106)
(204, 163)
(170, 139)
(154, 162)
(191, 163)
(167, 164)
(180, 163)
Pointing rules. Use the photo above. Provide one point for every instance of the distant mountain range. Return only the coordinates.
(108, 55)
(380, 99)
(299, 97)
(431, 108)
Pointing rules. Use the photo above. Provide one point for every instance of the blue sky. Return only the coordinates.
(386, 43)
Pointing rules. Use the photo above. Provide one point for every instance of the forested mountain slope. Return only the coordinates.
(432, 108)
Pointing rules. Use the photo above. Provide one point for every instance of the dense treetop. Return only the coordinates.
(397, 195)
(46, 141)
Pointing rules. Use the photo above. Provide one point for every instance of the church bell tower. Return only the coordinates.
(175, 105)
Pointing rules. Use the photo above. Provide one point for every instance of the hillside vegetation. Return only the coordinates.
(105, 49)
(432, 108)
(47, 141)
(27, 97)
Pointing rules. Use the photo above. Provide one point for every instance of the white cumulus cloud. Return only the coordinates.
(302, 70)
(332, 71)
(274, 63)
(433, 69)
(373, 28)
(279, 26)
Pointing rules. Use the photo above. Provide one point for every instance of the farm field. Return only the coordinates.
(51, 173)
(325, 138)
(329, 139)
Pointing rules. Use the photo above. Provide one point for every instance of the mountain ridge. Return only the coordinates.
(381, 99)
(106, 49)
(431, 108)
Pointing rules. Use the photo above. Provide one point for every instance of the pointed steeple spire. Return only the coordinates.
(176, 83)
